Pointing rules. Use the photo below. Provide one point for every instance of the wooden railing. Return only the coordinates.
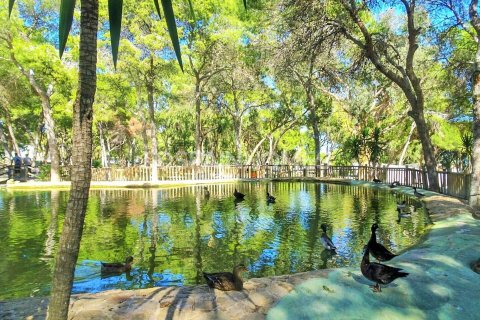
(453, 184)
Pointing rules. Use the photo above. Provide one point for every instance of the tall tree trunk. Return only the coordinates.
(198, 124)
(153, 127)
(475, 180)
(237, 123)
(11, 134)
(271, 148)
(405, 147)
(52, 139)
(4, 141)
(81, 169)
(428, 154)
(146, 154)
(103, 149)
(316, 137)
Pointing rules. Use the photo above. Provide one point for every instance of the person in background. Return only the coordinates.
(16, 161)
(27, 162)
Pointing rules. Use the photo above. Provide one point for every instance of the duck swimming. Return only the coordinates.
(270, 198)
(238, 195)
(379, 273)
(226, 281)
(117, 267)
(377, 180)
(325, 240)
(376, 249)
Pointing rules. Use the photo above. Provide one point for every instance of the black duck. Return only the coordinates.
(238, 195)
(379, 273)
(117, 267)
(376, 249)
(377, 180)
(226, 281)
(325, 240)
(270, 198)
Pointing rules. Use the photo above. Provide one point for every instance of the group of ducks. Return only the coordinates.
(395, 184)
(373, 271)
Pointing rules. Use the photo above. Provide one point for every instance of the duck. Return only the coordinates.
(377, 180)
(394, 184)
(325, 240)
(238, 195)
(117, 267)
(226, 281)
(377, 250)
(206, 192)
(379, 273)
(417, 194)
(270, 198)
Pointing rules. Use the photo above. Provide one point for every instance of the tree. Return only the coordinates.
(392, 52)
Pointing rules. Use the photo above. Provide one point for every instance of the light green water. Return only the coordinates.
(175, 234)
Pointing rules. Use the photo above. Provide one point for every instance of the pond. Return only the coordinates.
(175, 234)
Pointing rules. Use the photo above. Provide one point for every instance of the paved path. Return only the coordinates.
(440, 286)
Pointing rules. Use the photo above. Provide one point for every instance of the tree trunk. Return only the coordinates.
(316, 137)
(146, 156)
(428, 154)
(405, 147)
(12, 135)
(103, 149)
(252, 154)
(4, 141)
(198, 125)
(81, 169)
(238, 142)
(270, 149)
(153, 127)
(475, 180)
(52, 139)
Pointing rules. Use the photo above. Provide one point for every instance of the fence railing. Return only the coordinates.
(453, 184)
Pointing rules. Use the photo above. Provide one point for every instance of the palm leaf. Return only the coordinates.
(10, 7)
(191, 10)
(157, 6)
(115, 18)
(172, 29)
(65, 23)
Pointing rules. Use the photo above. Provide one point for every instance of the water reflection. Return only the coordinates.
(176, 234)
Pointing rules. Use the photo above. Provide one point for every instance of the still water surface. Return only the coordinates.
(175, 234)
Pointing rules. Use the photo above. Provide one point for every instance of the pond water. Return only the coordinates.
(175, 234)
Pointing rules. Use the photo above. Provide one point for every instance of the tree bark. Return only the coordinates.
(198, 124)
(405, 147)
(103, 149)
(475, 180)
(69, 245)
(153, 127)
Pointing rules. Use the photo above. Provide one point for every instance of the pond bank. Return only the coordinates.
(439, 286)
